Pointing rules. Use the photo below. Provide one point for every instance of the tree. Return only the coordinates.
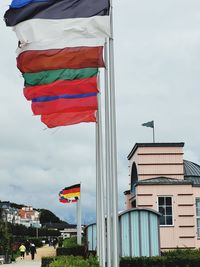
(47, 216)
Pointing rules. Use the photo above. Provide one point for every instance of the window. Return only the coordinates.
(165, 208)
(198, 216)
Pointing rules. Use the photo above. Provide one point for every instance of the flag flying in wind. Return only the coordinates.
(70, 194)
(69, 118)
(22, 10)
(59, 52)
(50, 76)
(67, 58)
(149, 124)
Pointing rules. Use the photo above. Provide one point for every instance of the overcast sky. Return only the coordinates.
(157, 65)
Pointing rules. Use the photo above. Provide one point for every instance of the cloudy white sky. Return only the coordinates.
(157, 64)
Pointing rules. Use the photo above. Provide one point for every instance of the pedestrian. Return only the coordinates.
(55, 241)
(27, 245)
(33, 250)
(22, 250)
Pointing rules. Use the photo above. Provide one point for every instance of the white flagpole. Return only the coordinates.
(78, 206)
(108, 159)
(115, 252)
(101, 184)
(97, 191)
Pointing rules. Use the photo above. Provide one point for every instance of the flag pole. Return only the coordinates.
(101, 185)
(97, 190)
(107, 158)
(78, 206)
(153, 133)
(115, 252)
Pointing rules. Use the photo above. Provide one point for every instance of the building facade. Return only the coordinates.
(163, 181)
(29, 217)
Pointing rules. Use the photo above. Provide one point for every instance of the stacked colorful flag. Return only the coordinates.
(60, 50)
(70, 194)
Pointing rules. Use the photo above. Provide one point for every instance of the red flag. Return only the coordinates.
(66, 58)
(65, 119)
(61, 87)
(64, 104)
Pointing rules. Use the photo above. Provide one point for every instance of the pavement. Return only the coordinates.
(24, 264)
(45, 251)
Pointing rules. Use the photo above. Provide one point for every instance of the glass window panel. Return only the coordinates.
(165, 208)
(168, 201)
(198, 232)
(198, 222)
(162, 220)
(198, 211)
(161, 201)
(198, 202)
(162, 210)
(168, 210)
(169, 220)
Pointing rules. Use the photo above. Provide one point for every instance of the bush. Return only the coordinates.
(74, 261)
(70, 242)
(179, 258)
(75, 251)
(47, 260)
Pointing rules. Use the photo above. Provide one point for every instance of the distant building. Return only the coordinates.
(9, 213)
(66, 230)
(29, 217)
(161, 180)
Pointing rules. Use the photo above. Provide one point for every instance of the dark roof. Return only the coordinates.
(191, 169)
(192, 172)
(163, 181)
(153, 145)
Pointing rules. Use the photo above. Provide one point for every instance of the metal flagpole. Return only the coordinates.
(78, 206)
(101, 186)
(115, 252)
(153, 133)
(97, 191)
(108, 159)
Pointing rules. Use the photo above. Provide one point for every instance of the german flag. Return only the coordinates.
(70, 194)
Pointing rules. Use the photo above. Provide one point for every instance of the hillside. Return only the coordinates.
(46, 216)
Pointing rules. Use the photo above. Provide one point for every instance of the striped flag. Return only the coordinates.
(59, 52)
(70, 194)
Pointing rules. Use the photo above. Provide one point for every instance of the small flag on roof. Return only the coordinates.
(149, 124)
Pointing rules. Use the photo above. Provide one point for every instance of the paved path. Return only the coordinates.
(27, 262)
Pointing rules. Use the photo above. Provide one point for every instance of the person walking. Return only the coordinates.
(22, 250)
(27, 245)
(33, 251)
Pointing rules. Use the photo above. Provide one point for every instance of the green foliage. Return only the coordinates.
(70, 242)
(181, 252)
(75, 251)
(47, 216)
(70, 247)
(5, 238)
(25, 232)
(174, 258)
(47, 260)
(71, 261)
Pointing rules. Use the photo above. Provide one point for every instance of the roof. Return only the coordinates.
(153, 145)
(192, 172)
(163, 181)
(191, 169)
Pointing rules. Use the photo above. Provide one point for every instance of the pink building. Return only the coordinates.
(163, 181)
